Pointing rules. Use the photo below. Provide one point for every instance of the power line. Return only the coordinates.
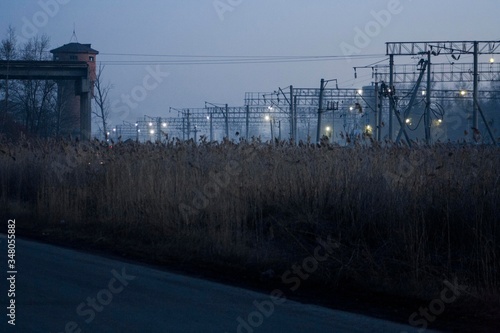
(232, 56)
(232, 60)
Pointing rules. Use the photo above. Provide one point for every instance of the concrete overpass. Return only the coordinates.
(52, 70)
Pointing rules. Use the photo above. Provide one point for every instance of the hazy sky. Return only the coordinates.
(240, 28)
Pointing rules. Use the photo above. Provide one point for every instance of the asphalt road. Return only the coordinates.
(60, 290)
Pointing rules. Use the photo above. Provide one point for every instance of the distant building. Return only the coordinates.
(68, 101)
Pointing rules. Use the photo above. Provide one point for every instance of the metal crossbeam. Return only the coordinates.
(409, 73)
(307, 97)
(437, 47)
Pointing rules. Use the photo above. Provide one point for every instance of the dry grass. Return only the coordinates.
(406, 219)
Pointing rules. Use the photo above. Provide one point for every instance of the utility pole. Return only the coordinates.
(227, 121)
(378, 115)
(391, 100)
(475, 93)
(335, 107)
(292, 116)
(428, 101)
(247, 121)
(158, 129)
(296, 130)
(320, 109)
(188, 126)
(210, 116)
(183, 128)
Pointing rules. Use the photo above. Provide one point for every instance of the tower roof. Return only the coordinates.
(75, 48)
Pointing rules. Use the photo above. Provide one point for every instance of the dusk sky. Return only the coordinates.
(233, 28)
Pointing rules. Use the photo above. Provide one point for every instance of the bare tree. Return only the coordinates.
(8, 52)
(31, 105)
(37, 98)
(101, 100)
(8, 45)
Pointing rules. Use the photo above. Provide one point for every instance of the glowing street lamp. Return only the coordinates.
(438, 122)
(329, 132)
(137, 132)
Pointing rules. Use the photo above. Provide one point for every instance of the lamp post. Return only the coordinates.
(152, 125)
(320, 104)
(210, 120)
(164, 124)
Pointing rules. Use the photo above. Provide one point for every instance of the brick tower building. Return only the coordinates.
(73, 121)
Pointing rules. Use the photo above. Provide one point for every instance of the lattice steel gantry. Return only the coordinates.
(444, 72)
(436, 48)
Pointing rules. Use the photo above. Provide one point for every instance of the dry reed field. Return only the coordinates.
(405, 219)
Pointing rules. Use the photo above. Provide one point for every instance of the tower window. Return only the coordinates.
(91, 58)
(73, 57)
